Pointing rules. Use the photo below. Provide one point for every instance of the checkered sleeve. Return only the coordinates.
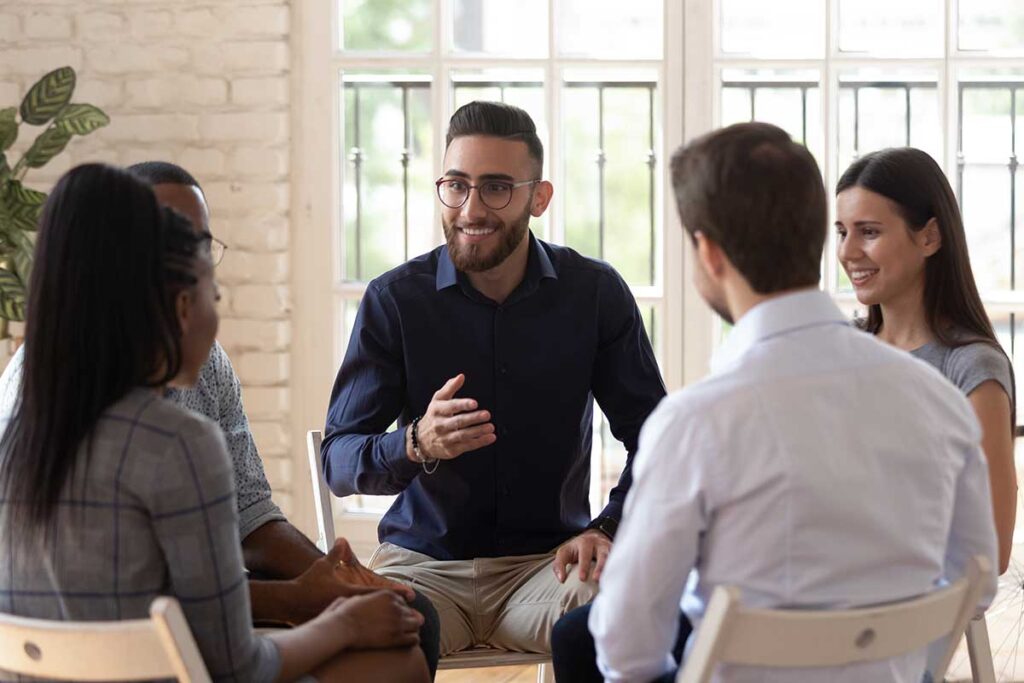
(194, 516)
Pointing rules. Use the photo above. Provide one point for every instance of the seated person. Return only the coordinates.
(902, 243)
(815, 468)
(291, 580)
(490, 351)
(111, 495)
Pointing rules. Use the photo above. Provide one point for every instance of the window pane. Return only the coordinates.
(523, 88)
(388, 188)
(610, 167)
(383, 25)
(516, 29)
(781, 28)
(992, 26)
(985, 202)
(886, 109)
(619, 30)
(891, 29)
(789, 99)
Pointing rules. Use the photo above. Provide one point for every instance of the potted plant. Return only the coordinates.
(47, 103)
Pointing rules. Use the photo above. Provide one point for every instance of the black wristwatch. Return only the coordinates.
(606, 525)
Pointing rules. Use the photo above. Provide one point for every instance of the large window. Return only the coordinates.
(592, 75)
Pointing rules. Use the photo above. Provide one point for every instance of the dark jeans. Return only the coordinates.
(572, 649)
(430, 632)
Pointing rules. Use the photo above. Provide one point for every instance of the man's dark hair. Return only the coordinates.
(163, 172)
(497, 120)
(759, 196)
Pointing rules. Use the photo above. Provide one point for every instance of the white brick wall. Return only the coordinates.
(203, 83)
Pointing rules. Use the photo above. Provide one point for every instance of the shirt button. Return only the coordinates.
(503, 369)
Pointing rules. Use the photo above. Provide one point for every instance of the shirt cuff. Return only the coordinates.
(395, 458)
(256, 515)
(613, 509)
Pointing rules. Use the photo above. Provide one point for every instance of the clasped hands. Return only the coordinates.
(338, 587)
(451, 426)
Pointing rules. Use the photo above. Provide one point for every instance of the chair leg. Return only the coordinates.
(545, 673)
(980, 652)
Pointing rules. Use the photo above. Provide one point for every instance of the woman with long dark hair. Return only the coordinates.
(111, 495)
(901, 242)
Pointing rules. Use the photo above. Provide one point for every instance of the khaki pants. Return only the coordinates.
(510, 603)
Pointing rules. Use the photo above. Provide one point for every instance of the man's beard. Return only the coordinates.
(473, 258)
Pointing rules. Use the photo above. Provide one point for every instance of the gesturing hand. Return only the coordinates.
(452, 426)
(590, 546)
(378, 620)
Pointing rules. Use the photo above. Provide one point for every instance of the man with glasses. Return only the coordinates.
(490, 351)
(291, 581)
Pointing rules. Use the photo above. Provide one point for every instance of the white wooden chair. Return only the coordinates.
(980, 652)
(136, 650)
(475, 658)
(733, 634)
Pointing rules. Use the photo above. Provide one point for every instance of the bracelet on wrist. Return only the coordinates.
(417, 454)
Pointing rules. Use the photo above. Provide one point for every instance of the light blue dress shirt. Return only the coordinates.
(815, 468)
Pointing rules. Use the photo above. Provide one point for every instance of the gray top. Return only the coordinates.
(152, 514)
(218, 396)
(969, 366)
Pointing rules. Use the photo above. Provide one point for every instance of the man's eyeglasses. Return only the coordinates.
(216, 249)
(495, 194)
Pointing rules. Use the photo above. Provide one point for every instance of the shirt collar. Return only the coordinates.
(538, 266)
(774, 317)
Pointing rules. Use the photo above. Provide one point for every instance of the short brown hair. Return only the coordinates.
(497, 120)
(758, 195)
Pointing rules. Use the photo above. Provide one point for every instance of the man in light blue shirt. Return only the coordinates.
(814, 468)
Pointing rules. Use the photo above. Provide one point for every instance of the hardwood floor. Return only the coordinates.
(498, 674)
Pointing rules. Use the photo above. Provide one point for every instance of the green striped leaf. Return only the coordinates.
(24, 250)
(12, 295)
(23, 205)
(81, 119)
(48, 96)
(49, 144)
(8, 128)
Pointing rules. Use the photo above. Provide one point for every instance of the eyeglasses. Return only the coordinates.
(495, 194)
(216, 249)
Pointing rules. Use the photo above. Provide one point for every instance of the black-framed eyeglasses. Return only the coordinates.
(495, 194)
(216, 248)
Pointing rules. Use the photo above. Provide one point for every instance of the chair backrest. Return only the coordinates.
(734, 634)
(321, 494)
(141, 649)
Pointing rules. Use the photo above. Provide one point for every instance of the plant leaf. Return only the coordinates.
(22, 258)
(48, 96)
(8, 128)
(49, 144)
(12, 295)
(81, 119)
(23, 205)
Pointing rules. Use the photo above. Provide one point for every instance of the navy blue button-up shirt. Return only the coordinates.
(569, 333)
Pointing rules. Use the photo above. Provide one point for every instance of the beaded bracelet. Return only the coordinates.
(416, 449)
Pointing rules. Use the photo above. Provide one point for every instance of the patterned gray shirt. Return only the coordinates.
(153, 513)
(218, 396)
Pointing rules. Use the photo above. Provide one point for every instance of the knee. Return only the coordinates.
(576, 592)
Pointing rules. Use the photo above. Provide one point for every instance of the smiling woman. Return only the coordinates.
(901, 241)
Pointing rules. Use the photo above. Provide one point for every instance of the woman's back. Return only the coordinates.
(152, 513)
